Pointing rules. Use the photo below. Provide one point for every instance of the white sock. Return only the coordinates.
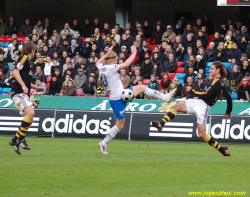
(155, 93)
(111, 135)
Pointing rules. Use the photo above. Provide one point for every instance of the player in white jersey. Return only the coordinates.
(109, 68)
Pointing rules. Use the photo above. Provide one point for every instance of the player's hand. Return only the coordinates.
(25, 90)
(133, 49)
(228, 116)
(110, 48)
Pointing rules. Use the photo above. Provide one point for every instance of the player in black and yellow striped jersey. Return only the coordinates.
(21, 87)
(201, 104)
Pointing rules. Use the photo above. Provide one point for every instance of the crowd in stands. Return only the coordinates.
(168, 58)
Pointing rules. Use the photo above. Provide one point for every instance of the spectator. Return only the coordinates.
(169, 65)
(1, 77)
(147, 29)
(176, 42)
(96, 24)
(133, 78)
(223, 30)
(190, 74)
(235, 79)
(39, 83)
(146, 68)
(3, 64)
(197, 26)
(34, 39)
(167, 52)
(167, 40)
(235, 52)
(242, 95)
(243, 44)
(184, 93)
(97, 34)
(76, 26)
(26, 29)
(80, 79)
(34, 32)
(2, 50)
(118, 29)
(145, 52)
(8, 80)
(202, 38)
(101, 89)
(87, 50)
(125, 79)
(187, 56)
(10, 53)
(40, 63)
(180, 52)
(230, 34)
(217, 39)
(209, 53)
(74, 48)
(156, 71)
(209, 25)
(86, 31)
(165, 82)
(156, 59)
(230, 67)
(49, 27)
(55, 85)
(69, 71)
(157, 35)
(200, 86)
(67, 27)
(247, 76)
(199, 63)
(189, 63)
(55, 65)
(179, 28)
(89, 85)
(202, 73)
(245, 68)
(11, 27)
(153, 83)
(243, 33)
(187, 30)
(125, 42)
(2, 26)
(221, 53)
(47, 67)
(38, 74)
(71, 90)
(56, 37)
(176, 85)
(105, 30)
(228, 43)
(170, 33)
(197, 46)
(39, 27)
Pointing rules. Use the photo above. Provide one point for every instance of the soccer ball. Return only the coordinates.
(127, 95)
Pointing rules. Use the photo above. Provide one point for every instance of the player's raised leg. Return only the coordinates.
(170, 115)
(152, 93)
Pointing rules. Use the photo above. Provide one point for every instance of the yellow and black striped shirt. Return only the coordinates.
(214, 91)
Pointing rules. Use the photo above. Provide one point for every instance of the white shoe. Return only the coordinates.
(103, 148)
(170, 95)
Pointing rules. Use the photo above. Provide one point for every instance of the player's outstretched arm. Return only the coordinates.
(101, 60)
(129, 61)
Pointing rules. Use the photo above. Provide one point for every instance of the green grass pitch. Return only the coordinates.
(75, 167)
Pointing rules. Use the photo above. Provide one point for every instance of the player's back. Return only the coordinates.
(112, 80)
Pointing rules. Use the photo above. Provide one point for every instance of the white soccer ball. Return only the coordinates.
(127, 95)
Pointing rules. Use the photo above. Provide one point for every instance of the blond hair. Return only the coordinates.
(110, 55)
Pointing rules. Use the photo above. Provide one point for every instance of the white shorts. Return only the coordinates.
(199, 108)
(21, 101)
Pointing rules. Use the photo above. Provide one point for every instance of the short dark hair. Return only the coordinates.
(28, 47)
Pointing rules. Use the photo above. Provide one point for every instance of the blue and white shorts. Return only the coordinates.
(119, 107)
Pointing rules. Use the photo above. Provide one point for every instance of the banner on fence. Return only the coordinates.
(77, 123)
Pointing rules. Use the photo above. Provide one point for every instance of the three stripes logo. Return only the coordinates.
(173, 129)
(11, 123)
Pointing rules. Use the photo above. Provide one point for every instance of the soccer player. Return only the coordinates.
(109, 68)
(200, 107)
(21, 93)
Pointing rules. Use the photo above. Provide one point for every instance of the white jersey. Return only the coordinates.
(112, 79)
